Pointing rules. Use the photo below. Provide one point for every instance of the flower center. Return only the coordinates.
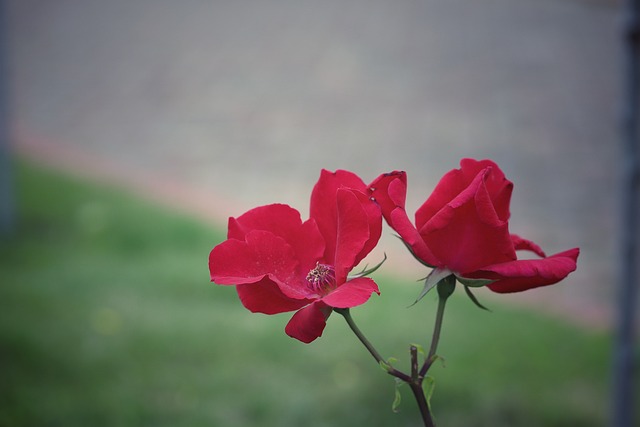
(322, 278)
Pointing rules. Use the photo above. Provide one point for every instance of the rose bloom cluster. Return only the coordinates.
(279, 263)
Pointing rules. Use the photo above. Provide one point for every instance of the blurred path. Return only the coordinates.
(221, 106)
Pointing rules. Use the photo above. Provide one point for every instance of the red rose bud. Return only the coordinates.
(464, 227)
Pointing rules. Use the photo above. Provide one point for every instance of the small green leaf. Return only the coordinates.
(366, 272)
(387, 365)
(441, 359)
(398, 397)
(473, 298)
(435, 277)
(474, 283)
(428, 385)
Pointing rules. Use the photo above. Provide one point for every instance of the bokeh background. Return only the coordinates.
(213, 107)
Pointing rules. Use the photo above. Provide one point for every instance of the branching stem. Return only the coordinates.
(414, 380)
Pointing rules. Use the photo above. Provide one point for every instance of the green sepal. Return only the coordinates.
(366, 272)
(474, 283)
(413, 253)
(428, 385)
(436, 276)
(473, 298)
(398, 397)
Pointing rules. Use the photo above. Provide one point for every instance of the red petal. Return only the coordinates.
(456, 181)
(282, 221)
(227, 264)
(518, 276)
(450, 186)
(527, 245)
(308, 323)
(352, 293)
(389, 191)
(498, 186)
(279, 219)
(266, 297)
(374, 221)
(309, 245)
(323, 207)
(467, 233)
(402, 225)
(263, 254)
(352, 233)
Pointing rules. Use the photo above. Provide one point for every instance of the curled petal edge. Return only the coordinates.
(308, 323)
(352, 293)
(522, 275)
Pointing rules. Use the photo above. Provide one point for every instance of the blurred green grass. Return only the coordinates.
(107, 318)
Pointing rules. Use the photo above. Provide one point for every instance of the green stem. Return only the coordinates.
(445, 289)
(414, 381)
(347, 316)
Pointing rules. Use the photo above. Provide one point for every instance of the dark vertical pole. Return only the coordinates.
(7, 215)
(623, 399)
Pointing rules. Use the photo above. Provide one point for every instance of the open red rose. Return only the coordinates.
(463, 228)
(279, 263)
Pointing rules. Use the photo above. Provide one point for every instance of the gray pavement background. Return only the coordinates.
(225, 105)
